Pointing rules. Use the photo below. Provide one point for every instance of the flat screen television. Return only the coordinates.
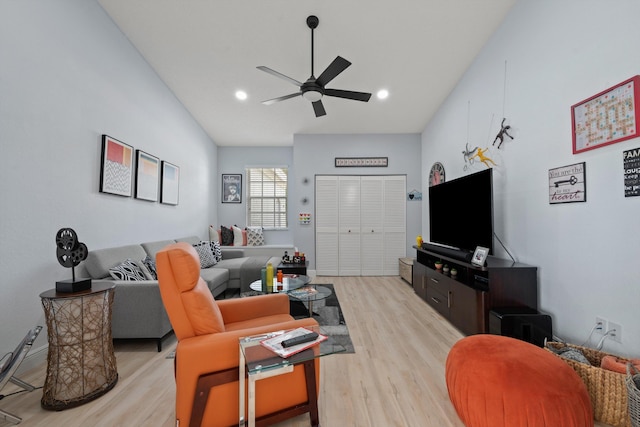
(461, 212)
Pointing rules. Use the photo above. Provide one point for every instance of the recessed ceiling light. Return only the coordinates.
(241, 95)
(383, 94)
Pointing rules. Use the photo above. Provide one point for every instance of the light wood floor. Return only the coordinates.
(395, 377)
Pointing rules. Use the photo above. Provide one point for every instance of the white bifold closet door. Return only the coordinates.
(360, 224)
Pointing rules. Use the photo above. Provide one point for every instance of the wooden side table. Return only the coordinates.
(81, 364)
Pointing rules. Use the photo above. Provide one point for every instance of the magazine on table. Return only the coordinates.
(303, 292)
(275, 343)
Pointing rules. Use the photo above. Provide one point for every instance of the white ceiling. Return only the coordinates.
(205, 50)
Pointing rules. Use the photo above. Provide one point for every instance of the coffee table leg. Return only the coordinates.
(310, 308)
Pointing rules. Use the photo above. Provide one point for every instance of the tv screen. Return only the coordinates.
(461, 212)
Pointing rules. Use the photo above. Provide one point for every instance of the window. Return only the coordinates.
(267, 197)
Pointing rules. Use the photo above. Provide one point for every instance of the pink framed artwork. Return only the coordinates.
(606, 118)
(116, 167)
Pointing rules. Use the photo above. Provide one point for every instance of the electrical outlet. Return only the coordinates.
(618, 333)
(602, 328)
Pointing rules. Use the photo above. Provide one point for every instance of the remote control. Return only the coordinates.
(299, 340)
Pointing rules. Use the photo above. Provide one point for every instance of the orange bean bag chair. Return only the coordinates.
(496, 381)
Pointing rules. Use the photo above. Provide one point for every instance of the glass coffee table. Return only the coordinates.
(309, 294)
(258, 362)
(290, 282)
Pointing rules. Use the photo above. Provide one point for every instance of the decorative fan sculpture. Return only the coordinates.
(70, 253)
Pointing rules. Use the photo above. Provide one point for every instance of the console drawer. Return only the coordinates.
(438, 300)
(438, 282)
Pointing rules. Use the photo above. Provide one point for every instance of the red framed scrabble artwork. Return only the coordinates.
(608, 117)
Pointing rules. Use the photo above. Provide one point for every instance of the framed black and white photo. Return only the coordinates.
(231, 188)
(480, 256)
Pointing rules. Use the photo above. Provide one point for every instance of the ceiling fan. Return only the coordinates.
(314, 88)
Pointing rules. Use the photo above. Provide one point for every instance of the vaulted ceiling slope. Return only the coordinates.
(206, 50)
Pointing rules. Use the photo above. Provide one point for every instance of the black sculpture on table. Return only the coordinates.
(70, 253)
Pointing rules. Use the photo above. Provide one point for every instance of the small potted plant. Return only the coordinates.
(454, 272)
(438, 265)
(445, 269)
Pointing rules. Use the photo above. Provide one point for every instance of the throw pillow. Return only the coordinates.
(127, 270)
(255, 237)
(151, 267)
(227, 236)
(207, 259)
(216, 249)
(237, 236)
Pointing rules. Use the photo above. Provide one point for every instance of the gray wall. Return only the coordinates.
(557, 54)
(68, 75)
(315, 155)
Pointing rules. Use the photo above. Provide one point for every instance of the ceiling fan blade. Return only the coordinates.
(336, 67)
(318, 108)
(282, 98)
(348, 94)
(277, 74)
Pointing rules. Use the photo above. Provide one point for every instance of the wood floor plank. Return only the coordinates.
(394, 378)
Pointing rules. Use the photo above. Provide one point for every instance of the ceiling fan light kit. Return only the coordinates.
(313, 89)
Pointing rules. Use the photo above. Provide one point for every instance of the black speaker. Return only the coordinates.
(522, 323)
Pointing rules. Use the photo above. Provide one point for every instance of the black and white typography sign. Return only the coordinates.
(631, 161)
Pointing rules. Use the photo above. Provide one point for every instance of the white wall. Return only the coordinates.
(315, 155)
(67, 76)
(557, 54)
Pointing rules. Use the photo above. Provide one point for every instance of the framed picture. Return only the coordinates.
(480, 256)
(147, 176)
(169, 183)
(231, 188)
(116, 167)
(631, 163)
(606, 118)
(567, 184)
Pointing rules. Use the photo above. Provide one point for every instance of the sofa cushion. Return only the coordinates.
(207, 259)
(152, 248)
(99, 261)
(127, 270)
(216, 249)
(151, 267)
(216, 279)
(255, 236)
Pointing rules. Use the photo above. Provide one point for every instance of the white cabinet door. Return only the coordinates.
(349, 225)
(326, 217)
(394, 223)
(371, 225)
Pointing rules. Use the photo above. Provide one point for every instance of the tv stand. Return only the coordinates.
(466, 299)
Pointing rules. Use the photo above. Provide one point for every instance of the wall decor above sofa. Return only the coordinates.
(169, 183)
(116, 167)
(147, 173)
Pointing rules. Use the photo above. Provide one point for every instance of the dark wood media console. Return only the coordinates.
(466, 299)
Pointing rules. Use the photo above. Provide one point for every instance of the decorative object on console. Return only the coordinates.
(231, 188)
(147, 173)
(480, 256)
(70, 253)
(170, 183)
(606, 118)
(419, 241)
(438, 265)
(631, 159)
(116, 167)
(567, 184)
(363, 162)
(436, 174)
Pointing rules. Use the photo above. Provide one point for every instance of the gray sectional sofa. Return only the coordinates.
(138, 311)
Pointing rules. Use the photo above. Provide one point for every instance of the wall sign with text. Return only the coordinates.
(567, 184)
(631, 159)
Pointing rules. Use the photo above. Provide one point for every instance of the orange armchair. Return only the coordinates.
(207, 354)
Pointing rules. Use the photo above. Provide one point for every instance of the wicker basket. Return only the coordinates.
(633, 382)
(607, 389)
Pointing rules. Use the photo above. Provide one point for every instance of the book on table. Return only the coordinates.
(275, 343)
(304, 292)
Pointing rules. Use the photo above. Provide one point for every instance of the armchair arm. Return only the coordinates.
(239, 309)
